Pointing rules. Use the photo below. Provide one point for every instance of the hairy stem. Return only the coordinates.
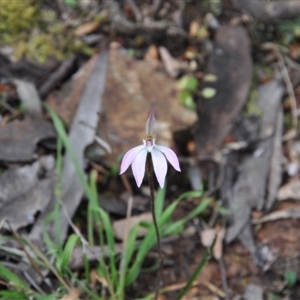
(151, 185)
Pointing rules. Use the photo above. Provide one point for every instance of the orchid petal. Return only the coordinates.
(129, 157)
(138, 166)
(150, 123)
(160, 166)
(170, 155)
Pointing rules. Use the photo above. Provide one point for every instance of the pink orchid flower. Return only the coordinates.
(136, 157)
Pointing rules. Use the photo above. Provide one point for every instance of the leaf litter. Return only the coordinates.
(245, 161)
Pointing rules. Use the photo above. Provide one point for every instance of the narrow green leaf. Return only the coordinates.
(159, 201)
(59, 127)
(12, 278)
(130, 247)
(111, 242)
(149, 240)
(63, 261)
(12, 295)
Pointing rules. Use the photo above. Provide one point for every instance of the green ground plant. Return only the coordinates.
(108, 268)
(34, 33)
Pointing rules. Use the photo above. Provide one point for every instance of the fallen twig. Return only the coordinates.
(278, 215)
(155, 29)
(56, 77)
(270, 12)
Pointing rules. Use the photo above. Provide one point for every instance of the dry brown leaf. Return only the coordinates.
(120, 226)
(291, 190)
(207, 237)
(218, 248)
(194, 28)
(132, 88)
(95, 277)
(86, 28)
(152, 53)
(73, 294)
(293, 213)
(178, 286)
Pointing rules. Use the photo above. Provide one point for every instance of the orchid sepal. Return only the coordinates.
(136, 157)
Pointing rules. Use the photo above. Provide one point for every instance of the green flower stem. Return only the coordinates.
(151, 185)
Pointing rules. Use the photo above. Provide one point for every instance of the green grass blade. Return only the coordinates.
(128, 252)
(12, 295)
(63, 260)
(59, 127)
(149, 240)
(159, 201)
(176, 226)
(13, 279)
(111, 243)
(87, 268)
(93, 203)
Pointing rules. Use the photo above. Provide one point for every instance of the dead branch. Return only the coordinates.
(56, 77)
(156, 29)
(270, 12)
(137, 12)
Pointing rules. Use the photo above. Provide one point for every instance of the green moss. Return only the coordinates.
(36, 34)
(16, 18)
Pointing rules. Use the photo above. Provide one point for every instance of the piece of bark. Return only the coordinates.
(230, 62)
(269, 102)
(23, 193)
(82, 134)
(29, 96)
(248, 185)
(247, 239)
(172, 65)
(65, 100)
(18, 139)
(253, 292)
(270, 12)
(275, 171)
